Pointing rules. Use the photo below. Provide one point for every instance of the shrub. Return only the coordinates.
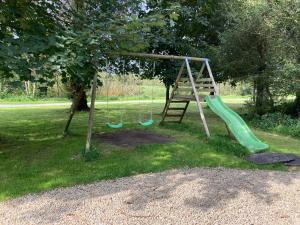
(277, 122)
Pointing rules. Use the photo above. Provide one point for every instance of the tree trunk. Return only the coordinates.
(57, 86)
(297, 104)
(81, 101)
(79, 94)
(167, 95)
(259, 96)
(263, 99)
(33, 89)
(269, 98)
(26, 88)
(79, 98)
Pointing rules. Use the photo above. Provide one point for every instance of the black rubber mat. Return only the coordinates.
(295, 162)
(269, 157)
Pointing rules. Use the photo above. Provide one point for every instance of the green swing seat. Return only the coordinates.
(147, 123)
(115, 126)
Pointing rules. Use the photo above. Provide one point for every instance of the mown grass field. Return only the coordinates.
(35, 157)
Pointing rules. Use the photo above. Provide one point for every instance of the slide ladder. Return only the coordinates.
(202, 87)
(189, 88)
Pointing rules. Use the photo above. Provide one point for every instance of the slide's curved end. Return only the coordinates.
(236, 124)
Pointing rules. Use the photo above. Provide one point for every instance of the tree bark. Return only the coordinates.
(263, 99)
(79, 98)
(259, 96)
(167, 95)
(297, 103)
(78, 91)
(269, 98)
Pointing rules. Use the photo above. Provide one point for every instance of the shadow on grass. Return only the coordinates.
(228, 146)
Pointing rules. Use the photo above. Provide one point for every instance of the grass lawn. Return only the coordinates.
(35, 157)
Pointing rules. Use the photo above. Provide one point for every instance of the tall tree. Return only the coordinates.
(190, 26)
(256, 47)
(56, 37)
(26, 38)
(287, 52)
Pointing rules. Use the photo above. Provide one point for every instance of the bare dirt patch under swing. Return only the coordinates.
(133, 138)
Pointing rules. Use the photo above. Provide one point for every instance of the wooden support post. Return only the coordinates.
(91, 115)
(184, 111)
(228, 131)
(72, 112)
(197, 97)
(212, 78)
(201, 71)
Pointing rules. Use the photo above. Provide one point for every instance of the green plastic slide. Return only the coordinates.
(236, 124)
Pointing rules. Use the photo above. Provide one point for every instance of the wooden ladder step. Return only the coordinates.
(203, 80)
(179, 101)
(175, 108)
(184, 97)
(188, 98)
(173, 115)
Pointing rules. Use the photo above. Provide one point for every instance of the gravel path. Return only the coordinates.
(186, 196)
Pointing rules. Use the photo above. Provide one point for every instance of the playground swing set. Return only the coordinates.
(120, 124)
(187, 88)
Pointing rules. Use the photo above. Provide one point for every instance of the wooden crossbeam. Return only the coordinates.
(203, 80)
(198, 85)
(187, 97)
(199, 80)
(157, 56)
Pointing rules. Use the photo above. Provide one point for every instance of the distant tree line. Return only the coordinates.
(253, 41)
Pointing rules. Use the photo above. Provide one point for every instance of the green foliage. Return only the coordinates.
(278, 122)
(94, 32)
(25, 34)
(261, 45)
(291, 108)
(188, 29)
(70, 40)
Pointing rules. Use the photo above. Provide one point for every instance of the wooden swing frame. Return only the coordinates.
(194, 91)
